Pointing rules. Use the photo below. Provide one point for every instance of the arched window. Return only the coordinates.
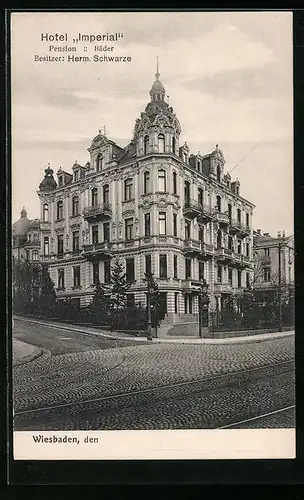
(219, 239)
(94, 193)
(173, 144)
(161, 143)
(146, 145)
(99, 163)
(45, 212)
(218, 173)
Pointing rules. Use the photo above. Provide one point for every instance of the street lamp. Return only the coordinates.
(149, 294)
(203, 307)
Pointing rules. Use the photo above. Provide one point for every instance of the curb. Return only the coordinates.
(28, 359)
(182, 340)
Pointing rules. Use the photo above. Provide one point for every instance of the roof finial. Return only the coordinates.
(99, 131)
(157, 69)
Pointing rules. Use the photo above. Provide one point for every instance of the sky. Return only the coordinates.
(228, 75)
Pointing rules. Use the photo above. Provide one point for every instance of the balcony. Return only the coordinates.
(192, 246)
(237, 227)
(100, 250)
(34, 225)
(206, 214)
(222, 287)
(223, 255)
(45, 226)
(97, 212)
(59, 225)
(266, 260)
(192, 208)
(240, 261)
(191, 285)
(32, 244)
(222, 218)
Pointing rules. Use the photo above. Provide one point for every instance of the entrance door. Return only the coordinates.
(162, 304)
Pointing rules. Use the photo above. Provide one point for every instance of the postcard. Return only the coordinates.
(152, 235)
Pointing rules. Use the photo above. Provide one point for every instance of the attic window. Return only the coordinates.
(185, 157)
(60, 180)
(76, 175)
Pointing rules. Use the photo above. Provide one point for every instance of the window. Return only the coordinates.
(173, 145)
(76, 274)
(174, 224)
(175, 266)
(162, 181)
(161, 143)
(76, 175)
(266, 273)
(239, 247)
(188, 268)
(99, 162)
(239, 279)
(219, 273)
(94, 194)
(107, 271)
(218, 203)
(199, 166)
(201, 234)
(218, 173)
(46, 245)
(130, 299)
(187, 230)
(187, 191)
(247, 220)
(163, 266)
(146, 145)
(130, 270)
(247, 249)
(94, 234)
(75, 240)
(59, 210)
(146, 182)
(176, 302)
(185, 157)
(95, 272)
(147, 224)
(45, 212)
(106, 193)
(129, 229)
(174, 182)
(229, 211)
(266, 252)
(148, 266)
(106, 231)
(201, 270)
(238, 215)
(35, 254)
(219, 239)
(230, 243)
(60, 244)
(60, 180)
(190, 304)
(27, 255)
(230, 276)
(60, 278)
(247, 280)
(128, 189)
(200, 196)
(75, 205)
(162, 218)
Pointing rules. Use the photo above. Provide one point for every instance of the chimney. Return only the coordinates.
(259, 231)
(279, 234)
(266, 234)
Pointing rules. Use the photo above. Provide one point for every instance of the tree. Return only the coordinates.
(99, 309)
(154, 298)
(117, 290)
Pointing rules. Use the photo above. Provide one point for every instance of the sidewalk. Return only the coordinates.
(23, 352)
(176, 340)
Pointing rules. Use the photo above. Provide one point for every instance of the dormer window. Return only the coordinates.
(99, 163)
(185, 157)
(161, 143)
(76, 175)
(45, 212)
(60, 180)
(218, 173)
(199, 165)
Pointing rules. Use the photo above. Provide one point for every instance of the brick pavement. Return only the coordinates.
(60, 379)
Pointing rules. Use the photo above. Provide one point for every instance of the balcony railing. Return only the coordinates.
(45, 226)
(223, 254)
(102, 248)
(222, 218)
(97, 211)
(237, 226)
(35, 224)
(192, 246)
(192, 208)
(222, 287)
(33, 243)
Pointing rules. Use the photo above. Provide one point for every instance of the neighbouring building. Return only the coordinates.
(273, 260)
(156, 207)
(26, 238)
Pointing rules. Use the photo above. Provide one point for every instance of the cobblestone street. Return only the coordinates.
(155, 386)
